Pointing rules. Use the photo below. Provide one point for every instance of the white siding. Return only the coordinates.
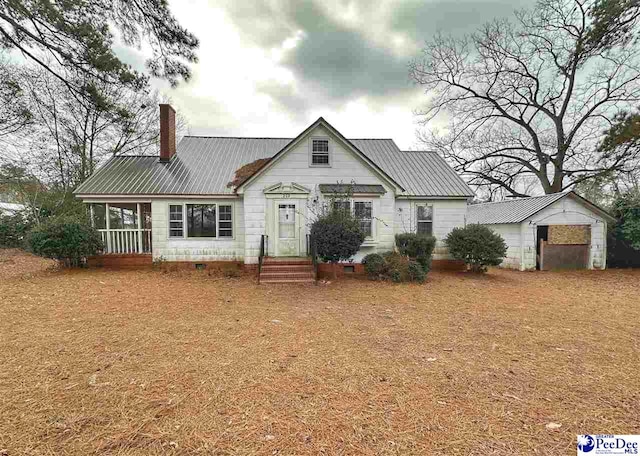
(447, 214)
(293, 167)
(512, 235)
(195, 249)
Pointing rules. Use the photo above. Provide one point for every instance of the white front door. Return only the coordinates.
(287, 228)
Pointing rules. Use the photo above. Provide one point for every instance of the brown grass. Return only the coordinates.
(133, 363)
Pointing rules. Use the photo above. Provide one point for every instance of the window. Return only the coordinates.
(425, 220)
(225, 222)
(201, 220)
(342, 206)
(176, 222)
(363, 213)
(320, 152)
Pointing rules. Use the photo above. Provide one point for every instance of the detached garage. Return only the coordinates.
(557, 231)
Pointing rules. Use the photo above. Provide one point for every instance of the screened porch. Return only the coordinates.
(125, 228)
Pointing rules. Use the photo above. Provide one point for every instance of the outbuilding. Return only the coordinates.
(556, 231)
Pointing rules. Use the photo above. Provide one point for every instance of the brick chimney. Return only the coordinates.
(167, 132)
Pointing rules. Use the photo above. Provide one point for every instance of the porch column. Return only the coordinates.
(139, 249)
(93, 222)
(106, 208)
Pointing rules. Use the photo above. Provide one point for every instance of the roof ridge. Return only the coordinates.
(275, 137)
(527, 198)
(236, 137)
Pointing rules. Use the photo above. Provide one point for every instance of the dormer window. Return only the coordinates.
(320, 152)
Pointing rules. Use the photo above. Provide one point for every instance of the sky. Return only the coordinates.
(271, 67)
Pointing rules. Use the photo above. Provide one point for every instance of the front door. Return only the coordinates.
(287, 228)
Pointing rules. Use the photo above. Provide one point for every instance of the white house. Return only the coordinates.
(215, 199)
(561, 230)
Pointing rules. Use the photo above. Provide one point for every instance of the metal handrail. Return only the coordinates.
(264, 246)
(311, 245)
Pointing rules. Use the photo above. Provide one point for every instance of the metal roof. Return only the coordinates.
(205, 166)
(355, 188)
(511, 211)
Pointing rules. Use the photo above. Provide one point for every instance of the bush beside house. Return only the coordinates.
(410, 263)
(337, 237)
(477, 245)
(69, 241)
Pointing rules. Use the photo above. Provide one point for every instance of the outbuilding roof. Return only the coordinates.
(206, 165)
(519, 209)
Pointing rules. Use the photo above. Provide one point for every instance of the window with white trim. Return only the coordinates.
(176, 221)
(424, 219)
(225, 221)
(362, 211)
(202, 220)
(342, 206)
(320, 152)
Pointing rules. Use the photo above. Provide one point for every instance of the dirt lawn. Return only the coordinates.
(145, 362)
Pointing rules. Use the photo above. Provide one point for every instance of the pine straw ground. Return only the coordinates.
(132, 363)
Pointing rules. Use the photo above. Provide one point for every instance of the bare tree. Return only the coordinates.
(14, 112)
(527, 101)
(70, 137)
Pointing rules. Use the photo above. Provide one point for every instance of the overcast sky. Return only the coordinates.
(271, 67)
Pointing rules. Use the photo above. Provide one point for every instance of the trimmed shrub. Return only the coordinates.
(417, 246)
(374, 265)
(337, 236)
(476, 245)
(69, 241)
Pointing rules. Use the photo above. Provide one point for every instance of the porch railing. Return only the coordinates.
(126, 241)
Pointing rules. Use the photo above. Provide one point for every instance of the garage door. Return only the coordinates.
(567, 247)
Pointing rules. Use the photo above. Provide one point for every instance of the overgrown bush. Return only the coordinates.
(476, 245)
(66, 240)
(623, 241)
(337, 236)
(394, 267)
(418, 247)
(13, 229)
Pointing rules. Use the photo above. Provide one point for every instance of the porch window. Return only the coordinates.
(176, 221)
(320, 152)
(425, 220)
(363, 213)
(123, 216)
(99, 212)
(201, 220)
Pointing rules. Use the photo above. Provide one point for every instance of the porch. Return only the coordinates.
(125, 228)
